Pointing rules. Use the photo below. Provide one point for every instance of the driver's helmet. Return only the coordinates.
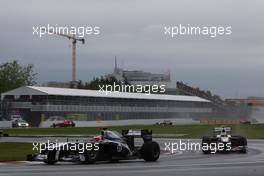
(223, 132)
(66, 121)
(106, 134)
(98, 138)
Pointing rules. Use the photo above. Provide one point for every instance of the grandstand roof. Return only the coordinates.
(34, 90)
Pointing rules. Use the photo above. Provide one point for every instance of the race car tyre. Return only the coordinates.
(90, 157)
(242, 142)
(150, 151)
(51, 157)
(244, 150)
(206, 141)
(239, 141)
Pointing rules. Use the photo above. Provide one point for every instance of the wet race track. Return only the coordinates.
(179, 163)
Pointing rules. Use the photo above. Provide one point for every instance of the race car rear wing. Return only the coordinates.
(222, 129)
(145, 134)
(227, 129)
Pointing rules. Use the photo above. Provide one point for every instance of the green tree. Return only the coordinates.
(14, 75)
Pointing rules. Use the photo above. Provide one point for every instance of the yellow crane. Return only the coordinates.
(74, 40)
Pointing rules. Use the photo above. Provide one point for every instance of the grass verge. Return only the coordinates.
(14, 151)
(182, 131)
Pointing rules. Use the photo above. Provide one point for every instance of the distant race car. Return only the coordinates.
(223, 141)
(19, 123)
(165, 123)
(109, 146)
(65, 123)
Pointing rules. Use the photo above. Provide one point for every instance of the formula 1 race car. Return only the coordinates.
(19, 123)
(223, 141)
(109, 146)
(165, 123)
(65, 123)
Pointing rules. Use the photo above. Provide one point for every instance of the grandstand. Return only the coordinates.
(35, 104)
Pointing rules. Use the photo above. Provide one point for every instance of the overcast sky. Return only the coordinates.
(231, 66)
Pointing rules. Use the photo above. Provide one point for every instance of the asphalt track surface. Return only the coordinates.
(180, 163)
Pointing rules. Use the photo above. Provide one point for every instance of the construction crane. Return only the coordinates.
(74, 40)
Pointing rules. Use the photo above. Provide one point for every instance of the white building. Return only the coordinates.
(138, 77)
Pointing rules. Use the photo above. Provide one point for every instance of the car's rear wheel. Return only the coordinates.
(150, 151)
(242, 141)
(243, 150)
(239, 141)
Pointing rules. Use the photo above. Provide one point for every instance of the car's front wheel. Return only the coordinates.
(51, 157)
(90, 157)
